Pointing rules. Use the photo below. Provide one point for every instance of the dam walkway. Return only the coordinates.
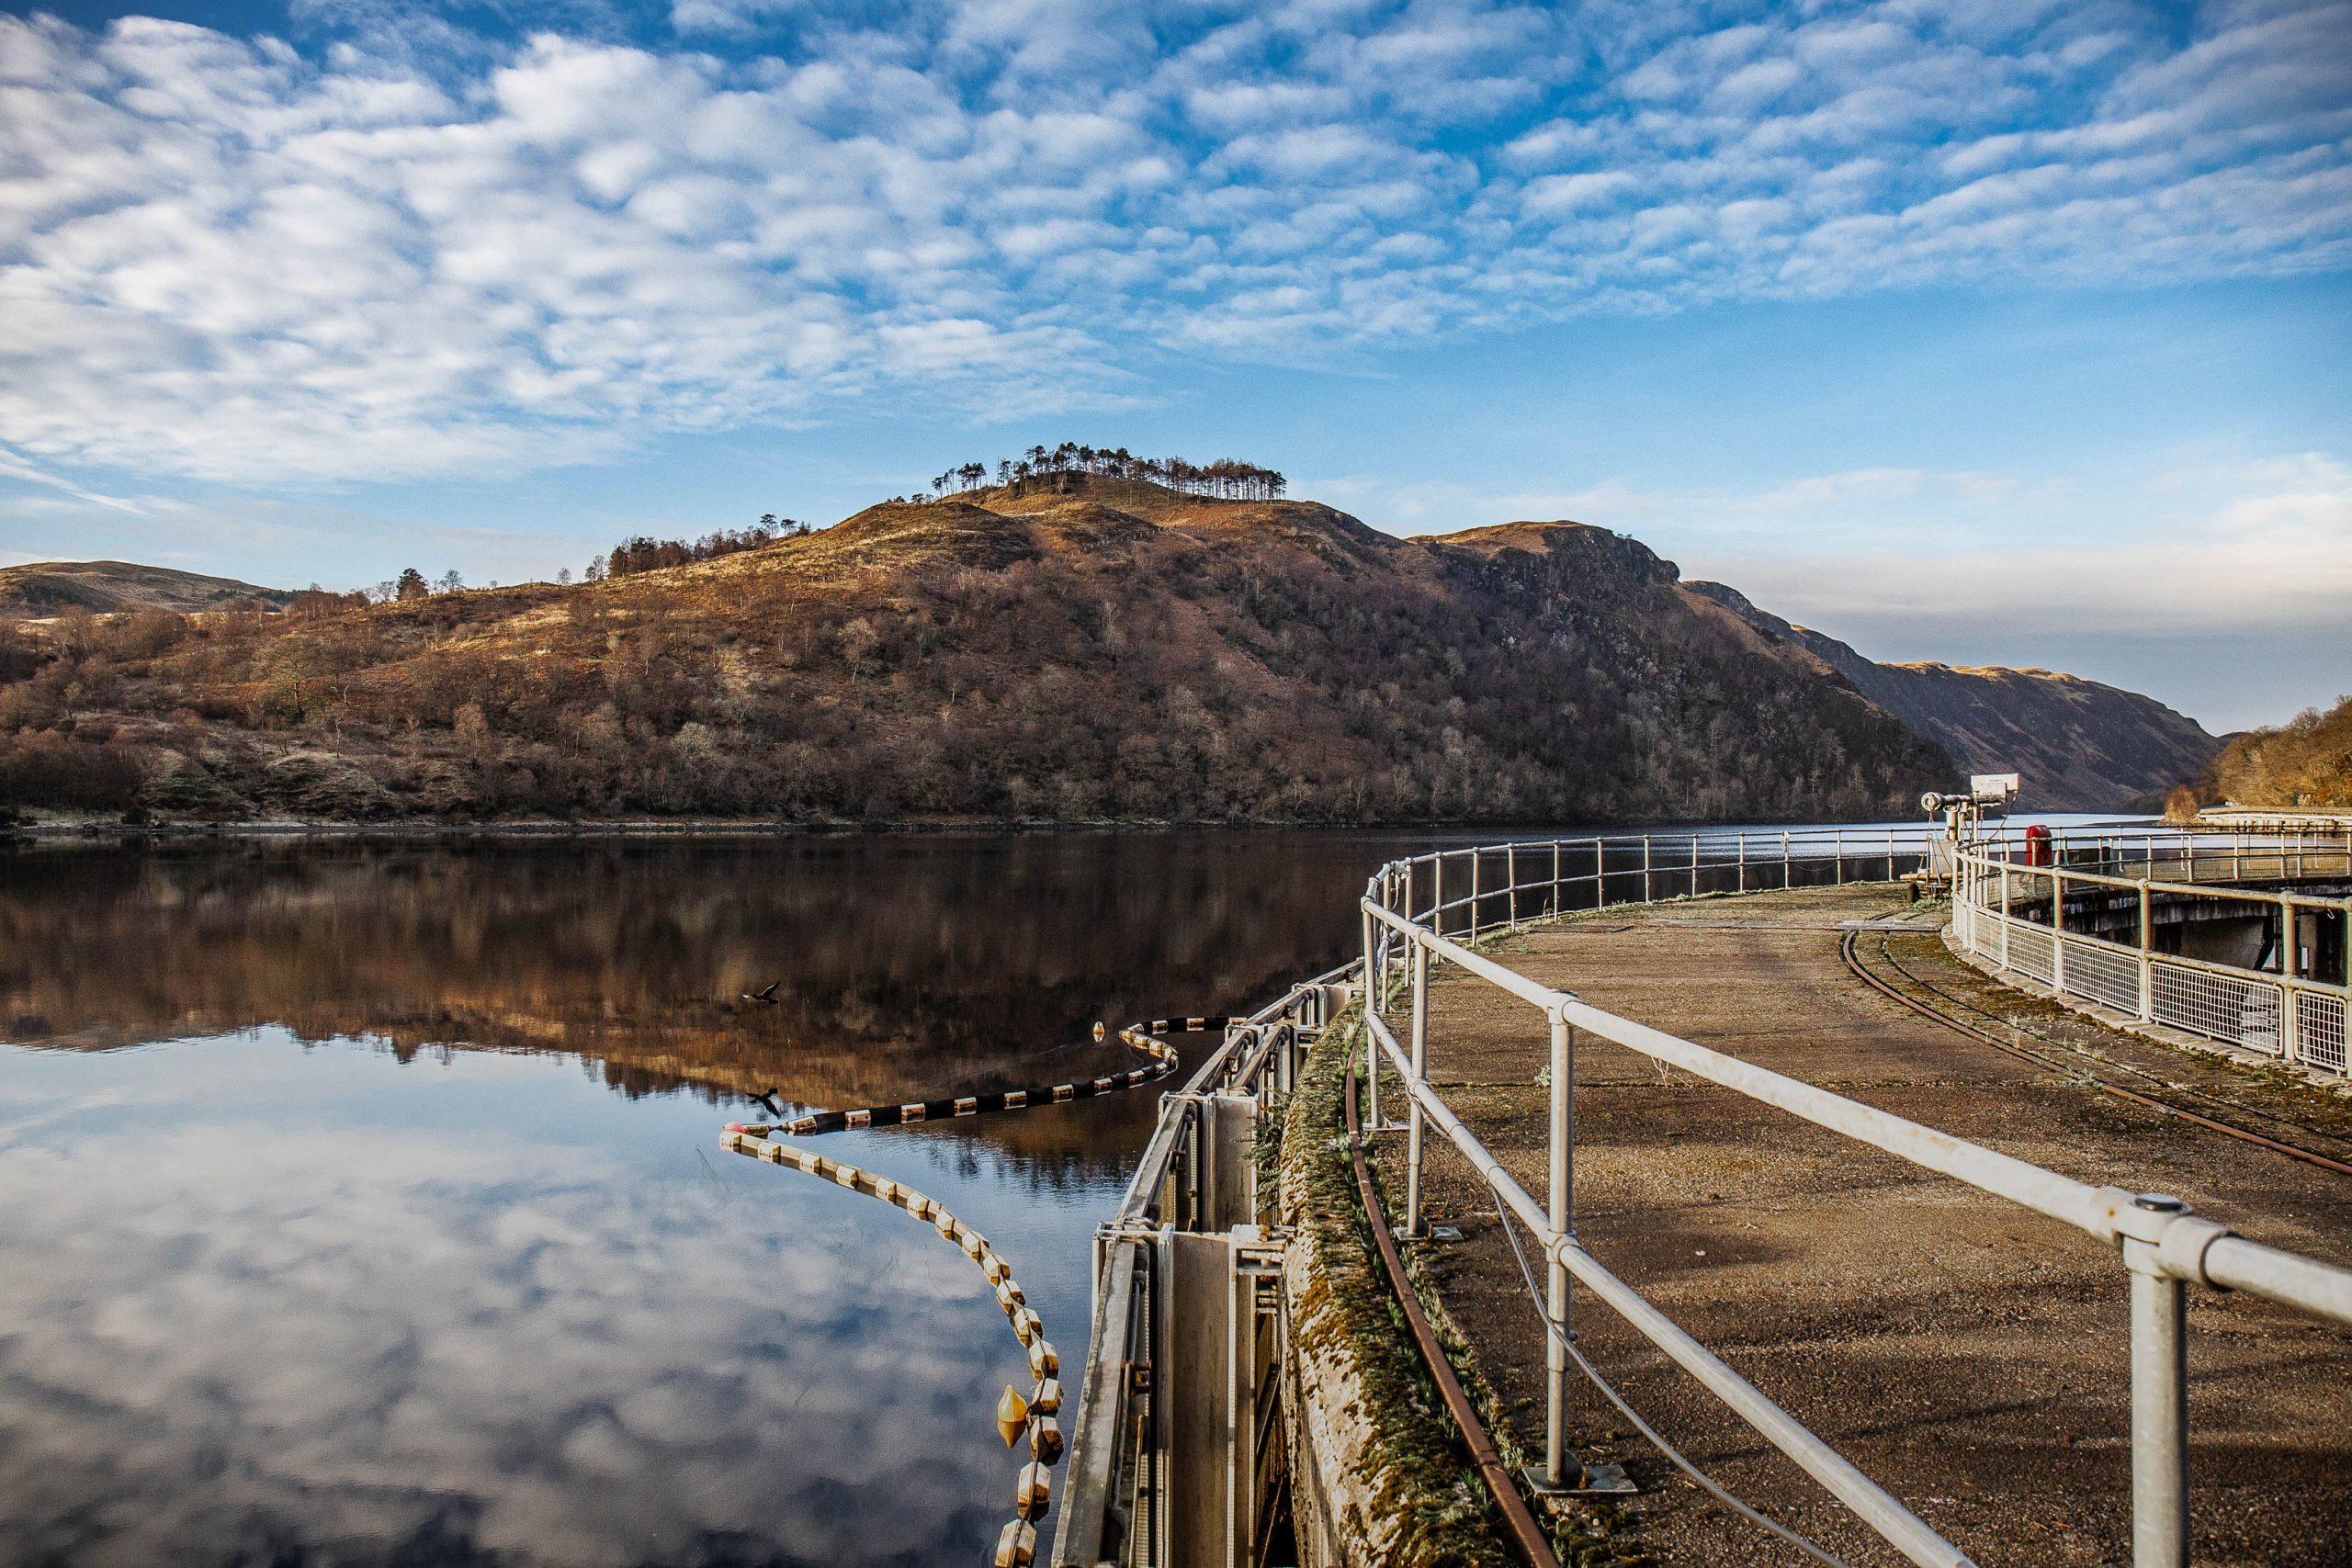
(1967, 1354)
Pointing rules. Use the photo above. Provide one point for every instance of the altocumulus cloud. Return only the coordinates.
(404, 249)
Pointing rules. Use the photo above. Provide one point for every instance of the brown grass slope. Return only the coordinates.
(58, 587)
(2081, 746)
(1114, 651)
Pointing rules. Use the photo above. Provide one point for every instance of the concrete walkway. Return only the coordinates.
(1967, 1354)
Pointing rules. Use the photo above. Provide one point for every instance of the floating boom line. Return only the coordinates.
(1033, 1489)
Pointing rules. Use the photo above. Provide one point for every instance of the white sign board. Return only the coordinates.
(1994, 786)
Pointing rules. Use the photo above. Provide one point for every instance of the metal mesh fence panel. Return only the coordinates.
(2030, 951)
(2319, 1030)
(2101, 972)
(2239, 1013)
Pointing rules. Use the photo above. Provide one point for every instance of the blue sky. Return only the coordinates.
(1984, 332)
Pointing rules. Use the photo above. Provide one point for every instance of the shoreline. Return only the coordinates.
(55, 831)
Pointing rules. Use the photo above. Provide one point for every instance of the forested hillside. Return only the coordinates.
(1101, 648)
(2305, 762)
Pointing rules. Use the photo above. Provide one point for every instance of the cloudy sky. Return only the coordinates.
(1990, 331)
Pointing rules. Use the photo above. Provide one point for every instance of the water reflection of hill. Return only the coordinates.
(906, 964)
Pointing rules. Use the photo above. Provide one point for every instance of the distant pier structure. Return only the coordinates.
(1939, 1195)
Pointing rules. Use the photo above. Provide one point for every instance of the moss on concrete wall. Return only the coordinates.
(1395, 1481)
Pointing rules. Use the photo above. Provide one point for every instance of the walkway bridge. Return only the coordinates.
(1190, 1424)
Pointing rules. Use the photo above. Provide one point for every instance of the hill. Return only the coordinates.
(105, 587)
(2305, 764)
(2081, 746)
(1095, 649)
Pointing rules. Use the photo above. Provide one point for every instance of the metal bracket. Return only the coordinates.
(1588, 1481)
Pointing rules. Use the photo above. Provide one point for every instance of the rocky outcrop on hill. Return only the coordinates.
(2081, 746)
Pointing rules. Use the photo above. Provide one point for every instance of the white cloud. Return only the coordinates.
(1880, 546)
(15, 468)
(421, 252)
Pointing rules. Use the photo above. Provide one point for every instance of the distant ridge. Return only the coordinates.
(2081, 744)
(51, 587)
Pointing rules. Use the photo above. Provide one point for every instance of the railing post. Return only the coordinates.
(2057, 925)
(2159, 1403)
(1743, 863)
(1555, 1299)
(2147, 964)
(1695, 865)
(1785, 865)
(1475, 857)
(1510, 875)
(1413, 1103)
(1648, 895)
(1838, 853)
(1371, 1051)
(1387, 937)
(1890, 854)
(2008, 864)
(2289, 1036)
(1554, 911)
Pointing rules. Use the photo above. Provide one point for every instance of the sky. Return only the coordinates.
(1989, 331)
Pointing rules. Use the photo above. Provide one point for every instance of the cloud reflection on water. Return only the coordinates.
(355, 1329)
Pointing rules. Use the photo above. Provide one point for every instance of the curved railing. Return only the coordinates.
(1411, 923)
(2011, 909)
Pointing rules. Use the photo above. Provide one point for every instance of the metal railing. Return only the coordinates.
(2163, 1248)
(1118, 1509)
(2014, 915)
(1472, 889)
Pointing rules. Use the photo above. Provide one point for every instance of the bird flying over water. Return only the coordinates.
(764, 994)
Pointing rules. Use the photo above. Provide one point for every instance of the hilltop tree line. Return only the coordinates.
(1053, 469)
(643, 554)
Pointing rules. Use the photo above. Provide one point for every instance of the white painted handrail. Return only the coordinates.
(2164, 1246)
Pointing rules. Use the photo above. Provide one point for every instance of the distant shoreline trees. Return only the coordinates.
(1227, 478)
(2305, 762)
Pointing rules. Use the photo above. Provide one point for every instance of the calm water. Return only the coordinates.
(361, 1204)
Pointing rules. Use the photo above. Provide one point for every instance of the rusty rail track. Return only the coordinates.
(1526, 1533)
(1848, 949)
